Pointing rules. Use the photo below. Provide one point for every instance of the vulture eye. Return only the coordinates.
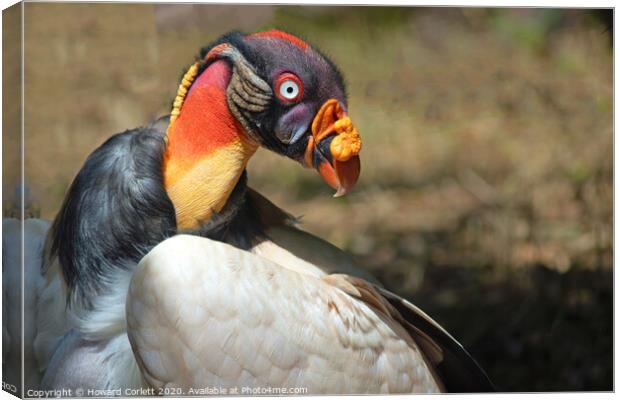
(288, 88)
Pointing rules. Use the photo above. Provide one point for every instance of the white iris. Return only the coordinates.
(289, 89)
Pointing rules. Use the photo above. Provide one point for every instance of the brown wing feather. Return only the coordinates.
(458, 370)
(454, 366)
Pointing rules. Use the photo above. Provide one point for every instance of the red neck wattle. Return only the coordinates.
(205, 122)
(207, 149)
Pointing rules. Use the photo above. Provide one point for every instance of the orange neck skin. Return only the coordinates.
(207, 150)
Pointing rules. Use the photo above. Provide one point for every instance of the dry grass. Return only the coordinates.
(486, 191)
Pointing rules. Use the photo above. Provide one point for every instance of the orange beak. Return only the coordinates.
(333, 147)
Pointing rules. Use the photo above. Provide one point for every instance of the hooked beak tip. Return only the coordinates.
(341, 176)
(341, 192)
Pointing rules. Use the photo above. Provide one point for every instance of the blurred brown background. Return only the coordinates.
(486, 191)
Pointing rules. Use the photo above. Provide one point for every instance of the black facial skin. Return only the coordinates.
(321, 81)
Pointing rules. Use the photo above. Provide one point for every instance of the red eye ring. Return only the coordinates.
(289, 88)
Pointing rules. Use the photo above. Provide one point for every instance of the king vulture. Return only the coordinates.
(164, 270)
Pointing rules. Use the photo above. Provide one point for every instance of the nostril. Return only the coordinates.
(329, 113)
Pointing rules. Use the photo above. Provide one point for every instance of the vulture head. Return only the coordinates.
(268, 89)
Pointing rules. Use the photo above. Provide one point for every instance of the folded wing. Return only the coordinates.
(201, 312)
